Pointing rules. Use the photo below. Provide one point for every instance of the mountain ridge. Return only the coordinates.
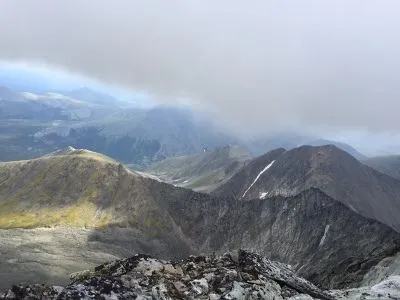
(129, 212)
(332, 170)
(283, 228)
(203, 171)
(388, 164)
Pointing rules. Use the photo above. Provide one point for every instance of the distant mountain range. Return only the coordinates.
(44, 122)
(303, 221)
(79, 104)
(389, 164)
(86, 178)
(289, 141)
(93, 97)
(204, 171)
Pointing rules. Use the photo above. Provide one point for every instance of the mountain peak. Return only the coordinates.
(328, 168)
(91, 96)
(84, 153)
(343, 146)
(327, 154)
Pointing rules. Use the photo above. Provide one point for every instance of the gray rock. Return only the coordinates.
(197, 277)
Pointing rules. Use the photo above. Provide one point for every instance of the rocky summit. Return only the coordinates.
(236, 275)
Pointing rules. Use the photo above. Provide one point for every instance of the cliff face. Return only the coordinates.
(322, 239)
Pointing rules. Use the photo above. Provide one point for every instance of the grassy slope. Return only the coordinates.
(79, 189)
(202, 171)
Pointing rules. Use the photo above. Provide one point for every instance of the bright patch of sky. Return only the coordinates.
(23, 77)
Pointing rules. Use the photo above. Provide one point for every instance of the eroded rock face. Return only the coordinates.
(243, 275)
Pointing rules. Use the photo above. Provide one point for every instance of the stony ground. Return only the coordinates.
(49, 255)
(240, 275)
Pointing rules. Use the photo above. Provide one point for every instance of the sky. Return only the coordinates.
(37, 78)
(258, 66)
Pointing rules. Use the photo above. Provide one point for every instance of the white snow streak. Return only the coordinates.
(258, 176)
(324, 236)
(263, 195)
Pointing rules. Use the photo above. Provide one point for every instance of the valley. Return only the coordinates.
(78, 192)
(199, 150)
(203, 172)
(74, 209)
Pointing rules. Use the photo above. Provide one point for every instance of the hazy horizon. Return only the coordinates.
(268, 66)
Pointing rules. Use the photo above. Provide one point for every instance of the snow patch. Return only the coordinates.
(324, 236)
(30, 96)
(258, 176)
(352, 208)
(263, 195)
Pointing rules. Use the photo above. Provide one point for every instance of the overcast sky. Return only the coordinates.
(258, 65)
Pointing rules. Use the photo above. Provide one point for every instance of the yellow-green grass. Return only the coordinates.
(80, 214)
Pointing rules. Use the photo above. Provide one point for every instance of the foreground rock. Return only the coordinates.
(232, 276)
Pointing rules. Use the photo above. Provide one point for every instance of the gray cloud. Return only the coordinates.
(259, 65)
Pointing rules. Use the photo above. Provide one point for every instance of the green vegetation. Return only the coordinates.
(203, 171)
(76, 188)
(81, 214)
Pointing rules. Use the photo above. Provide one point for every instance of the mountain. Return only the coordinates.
(42, 122)
(78, 188)
(322, 239)
(91, 96)
(50, 106)
(241, 275)
(141, 136)
(333, 171)
(389, 164)
(289, 141)
(16, 106)
(7, 95)
(81, 204)
(38, 123)
(234, 187)
(343, 146)
(204, 171)
(74, 109)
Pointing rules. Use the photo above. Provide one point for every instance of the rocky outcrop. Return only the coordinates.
(241, 275)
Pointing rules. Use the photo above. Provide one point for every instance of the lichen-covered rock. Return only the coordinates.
(243, 276)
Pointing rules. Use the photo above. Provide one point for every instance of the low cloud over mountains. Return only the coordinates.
(331, 65)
